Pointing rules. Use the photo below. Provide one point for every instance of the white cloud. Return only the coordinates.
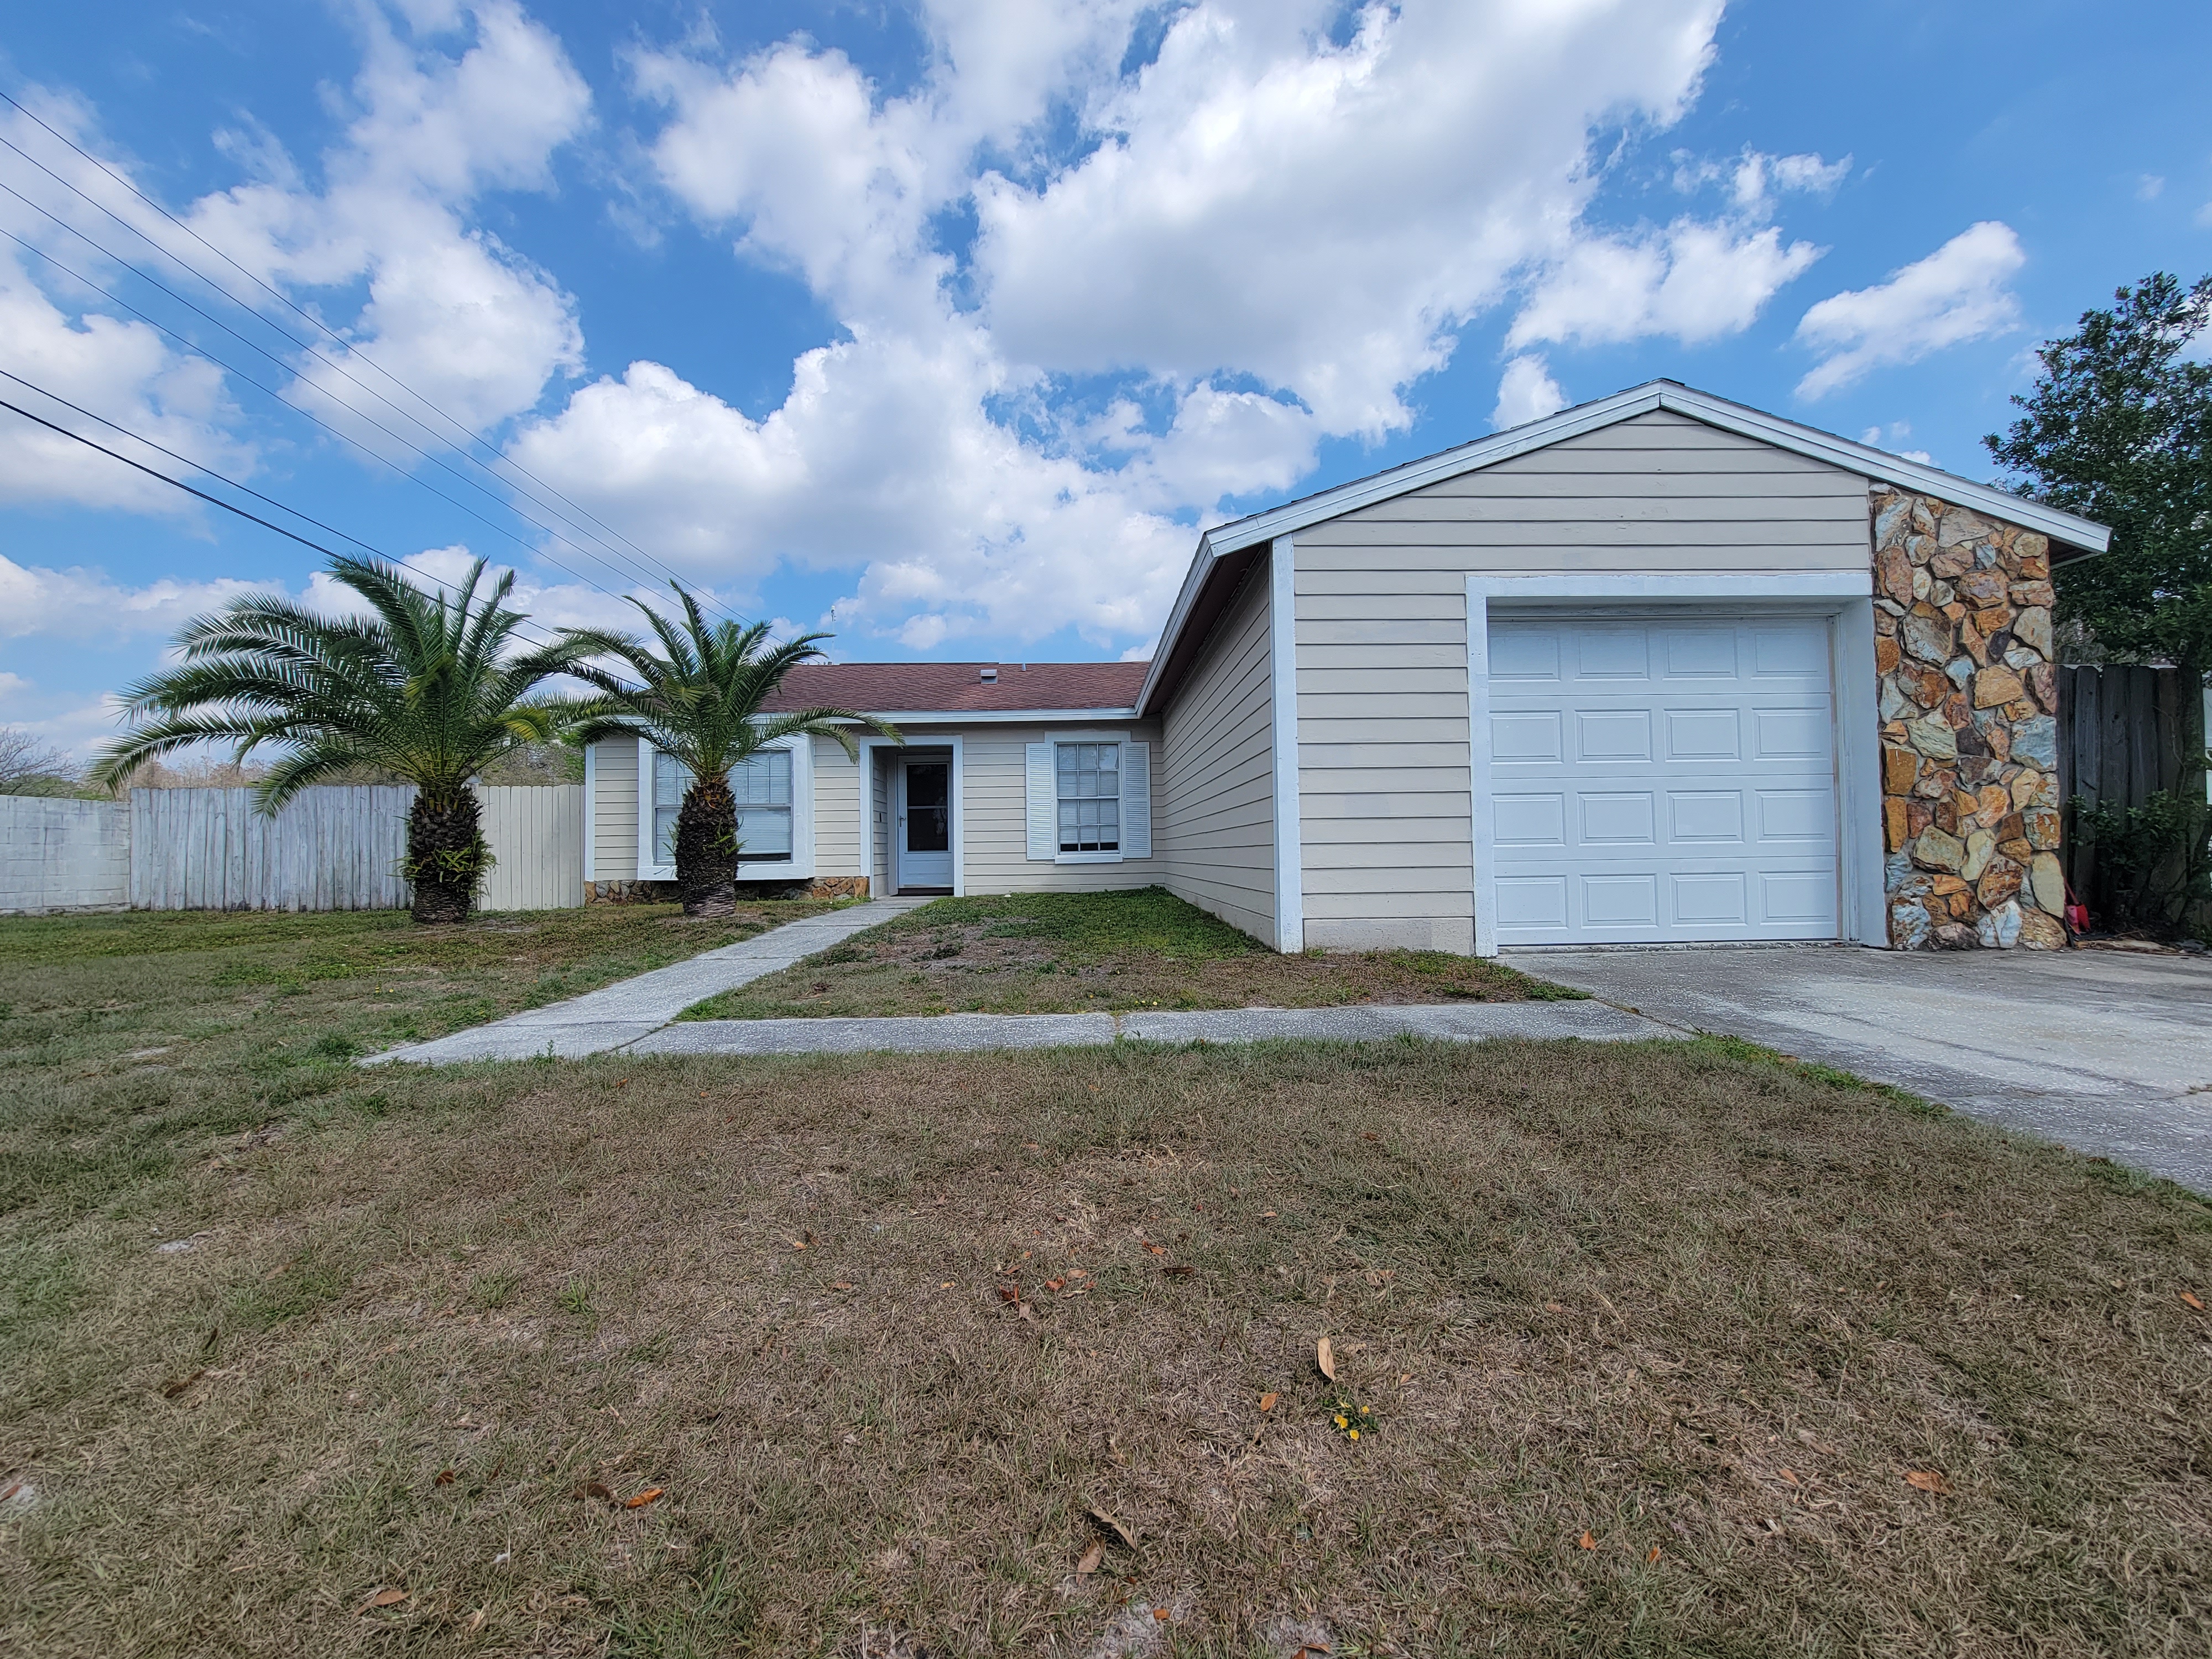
(1755, 179)
(1525, 392)
(1322, 216)
(81, 603)
(465, 320)
(2149, 186)
(1693, 280)
(1956, 293)
(1259, 241)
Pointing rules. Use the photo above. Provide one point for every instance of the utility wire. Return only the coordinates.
(201, 351)
(352, 350)
(217, 501)
(251, 346)
(243, 489)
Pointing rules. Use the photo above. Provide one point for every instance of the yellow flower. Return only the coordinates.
(1355, 1434)
(1340, 1420)
(1363, 1410)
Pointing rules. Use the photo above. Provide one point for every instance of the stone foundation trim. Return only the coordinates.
(667, 892)
(1969, 703)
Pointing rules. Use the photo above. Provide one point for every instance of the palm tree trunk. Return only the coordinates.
(446, 855)
(707, 849)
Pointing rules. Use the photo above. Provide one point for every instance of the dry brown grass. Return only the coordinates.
(1686, 1298)
(1051, 953)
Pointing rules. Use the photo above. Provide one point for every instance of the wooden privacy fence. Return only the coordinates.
(339, 847)
(2120, 742)
(336, 847)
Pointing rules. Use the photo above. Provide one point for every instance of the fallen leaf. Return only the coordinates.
(1325, 1357)
(839, 1284)
(1055, 1284)
(443, 1478)
(1128, 1539)
(2193, 1300)
(650, 1495)
(1182, 1270)
(1267, 1402)
(385, 1598)
(1157, 1249)
(1009, 1293)
(1789, 1477)
(1267, 1215)
(1090, 1558)
(1928, 1481)
(1586, 1542)
(1160, 1614)
(1369, 1135)
(474, 1621)
(1027, 1312)
(1653, 1556)
(798, 1244)
(176, 1386)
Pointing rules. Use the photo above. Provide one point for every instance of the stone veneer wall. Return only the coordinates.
(665, 892)
(1969, 732)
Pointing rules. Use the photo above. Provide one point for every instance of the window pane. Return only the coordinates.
(763, 832)
(763, 779)
(1089, 776)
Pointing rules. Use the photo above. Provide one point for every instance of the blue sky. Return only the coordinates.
(945, 325)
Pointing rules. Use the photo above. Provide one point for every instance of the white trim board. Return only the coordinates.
(1845, 598)
(1825, 446)
(868, 747)
(1283, 703)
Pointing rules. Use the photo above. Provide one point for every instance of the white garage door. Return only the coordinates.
(1657, 779)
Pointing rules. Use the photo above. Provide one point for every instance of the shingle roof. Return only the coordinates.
(902, 688)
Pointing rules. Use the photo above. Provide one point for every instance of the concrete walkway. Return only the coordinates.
(638, 1016)
(618, 1014)
(2100, 1050)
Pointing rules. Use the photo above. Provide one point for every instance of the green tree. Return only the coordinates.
(426, 689)
(701, 701)
(2119, 429)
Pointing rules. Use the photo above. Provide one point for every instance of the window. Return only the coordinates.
(1090, 797)
(761, 787)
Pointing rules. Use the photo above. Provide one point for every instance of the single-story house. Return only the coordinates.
(1660, 668)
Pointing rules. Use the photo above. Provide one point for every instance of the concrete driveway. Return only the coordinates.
(2103, 1051)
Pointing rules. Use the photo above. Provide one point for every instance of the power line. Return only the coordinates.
(351, 350)
(217, 501)
(362, 415)
(201, 351)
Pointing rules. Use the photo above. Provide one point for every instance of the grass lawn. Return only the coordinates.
(1671, 1348)
(1051, 953)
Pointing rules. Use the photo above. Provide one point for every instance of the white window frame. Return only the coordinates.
(1121, 748)
(798, 867)
(1122, 742)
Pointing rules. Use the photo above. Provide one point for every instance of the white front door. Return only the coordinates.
(1661, 779)
(924, 834)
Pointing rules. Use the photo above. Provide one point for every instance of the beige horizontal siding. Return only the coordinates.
(1382, 635)
(614, 810)
(994, 813)
(836, 811)
(1214, 819)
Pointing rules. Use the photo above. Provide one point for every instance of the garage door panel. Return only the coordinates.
(1704, 817)
(1519, 738)
(1703, 734)
(1663, 779)
(1615, 819)
(1603, 735)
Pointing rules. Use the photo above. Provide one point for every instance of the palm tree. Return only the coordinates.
(424, 688)
(700, 702)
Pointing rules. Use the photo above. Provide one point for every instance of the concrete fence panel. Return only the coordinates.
(62, 855)
(537, 836)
